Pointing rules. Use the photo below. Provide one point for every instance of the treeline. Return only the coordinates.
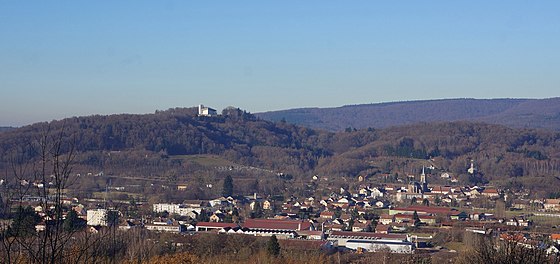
(144, 145)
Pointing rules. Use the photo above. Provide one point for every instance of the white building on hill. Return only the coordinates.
(206, 111)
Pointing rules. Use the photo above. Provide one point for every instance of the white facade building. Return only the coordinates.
(402, 247)
(178, 209)
(206, 111)
(97, 217)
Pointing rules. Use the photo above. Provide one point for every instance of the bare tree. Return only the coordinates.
(40, 171)
(490, 250)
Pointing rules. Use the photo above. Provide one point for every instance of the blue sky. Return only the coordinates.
(69, 58)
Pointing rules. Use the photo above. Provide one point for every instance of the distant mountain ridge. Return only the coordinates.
(526, 113)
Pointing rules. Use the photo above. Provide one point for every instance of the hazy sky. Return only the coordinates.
(66, 58)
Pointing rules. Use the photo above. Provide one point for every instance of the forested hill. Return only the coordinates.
(2, 129)
(152, 145)
(525, 113)
(235, 135)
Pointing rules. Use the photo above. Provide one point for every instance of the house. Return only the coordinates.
(345, 217)
(520, 204)
(476, 216)
(377, 192)
(381, 204)
(266, 205)
(326, 215)
(519, 222)
(386, 219)
(361, 227)
(217, 217)
(459, 216)
(341, 202)
(441, 189)
(406, 218)
(555, 238)
(490, 192)
(382, 229)
(278, 224)
(364, 191)
(333, 227)
(552, 204)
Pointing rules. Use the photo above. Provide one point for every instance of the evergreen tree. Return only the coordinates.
(73, 222)
(202, 216)
(273, 247)
(235, 215)
(112, 218)
(3, 207)
(228, 186)
(437, 200)
(416, 218)
(257, 210)
(24, 222)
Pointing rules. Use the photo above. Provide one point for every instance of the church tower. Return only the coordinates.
(423, 176)
(423, 181)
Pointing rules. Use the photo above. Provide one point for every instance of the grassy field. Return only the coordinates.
(541, 220)
(114, 194)
(205, 160)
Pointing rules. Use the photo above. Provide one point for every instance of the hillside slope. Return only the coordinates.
(529, 113)
(162, 145)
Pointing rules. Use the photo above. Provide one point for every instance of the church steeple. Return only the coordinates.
(472, 169)
(423, 176)
(423, 181)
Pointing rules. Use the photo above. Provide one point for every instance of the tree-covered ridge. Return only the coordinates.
(523, 113)
(146, 145)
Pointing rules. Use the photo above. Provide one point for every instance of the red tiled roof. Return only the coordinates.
(279, 224)
(426, 209)
(409, 216)
(327, 213)
(382, 228)
(555, 236)
(490, 190)
(214, 224)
